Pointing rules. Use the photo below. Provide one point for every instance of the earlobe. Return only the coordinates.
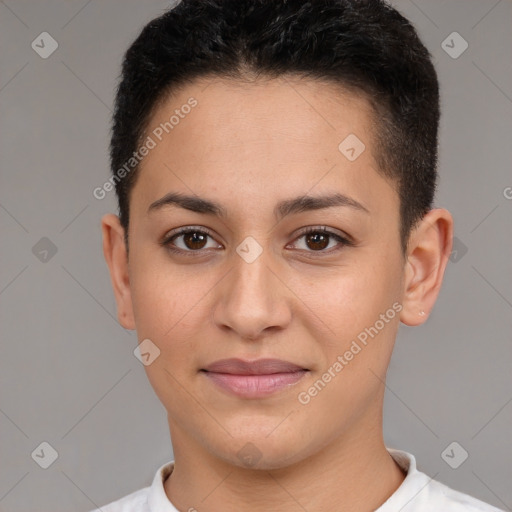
(114, 250)
(427, 256)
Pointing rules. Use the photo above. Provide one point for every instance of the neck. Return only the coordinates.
(353, 472)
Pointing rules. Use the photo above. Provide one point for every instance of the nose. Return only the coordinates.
(253, 299)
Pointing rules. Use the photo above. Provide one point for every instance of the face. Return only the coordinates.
(247, 282)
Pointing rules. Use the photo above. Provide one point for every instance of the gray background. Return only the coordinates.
(68, 375)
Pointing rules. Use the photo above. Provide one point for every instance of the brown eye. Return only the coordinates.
(321, 240)
(317, 241)
(194, 240)
(188, 240)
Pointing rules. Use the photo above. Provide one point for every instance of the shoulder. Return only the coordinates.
(147, 499)
(421, 493)
(135, 502)
(443, 496)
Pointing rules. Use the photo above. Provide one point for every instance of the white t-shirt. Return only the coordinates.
(417, 493)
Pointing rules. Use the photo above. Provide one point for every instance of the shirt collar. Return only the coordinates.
(157, 499)
(415, 481)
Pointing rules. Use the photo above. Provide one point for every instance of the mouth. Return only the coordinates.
(253, 379)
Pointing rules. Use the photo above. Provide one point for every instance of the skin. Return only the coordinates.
(248, 147)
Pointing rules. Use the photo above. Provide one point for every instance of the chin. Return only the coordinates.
(261, 451)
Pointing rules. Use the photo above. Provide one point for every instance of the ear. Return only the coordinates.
(429, 248)
(114, 250)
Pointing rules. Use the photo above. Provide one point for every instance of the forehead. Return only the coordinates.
(284, 107)
(285, 134)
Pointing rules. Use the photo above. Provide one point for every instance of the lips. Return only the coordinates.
(253, 379)
(258, 367)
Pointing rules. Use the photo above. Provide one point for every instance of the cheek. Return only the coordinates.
(348, 299)
(357, 348)
(171, 309)
(155, 305)
(167, 308)
(163, 296)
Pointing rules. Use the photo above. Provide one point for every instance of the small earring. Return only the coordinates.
(422, 313)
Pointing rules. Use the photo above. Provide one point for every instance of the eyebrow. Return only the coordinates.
(282, 209)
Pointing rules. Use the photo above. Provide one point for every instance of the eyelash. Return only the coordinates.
(167, 241)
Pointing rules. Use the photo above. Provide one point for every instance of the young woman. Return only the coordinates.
(275, 165)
